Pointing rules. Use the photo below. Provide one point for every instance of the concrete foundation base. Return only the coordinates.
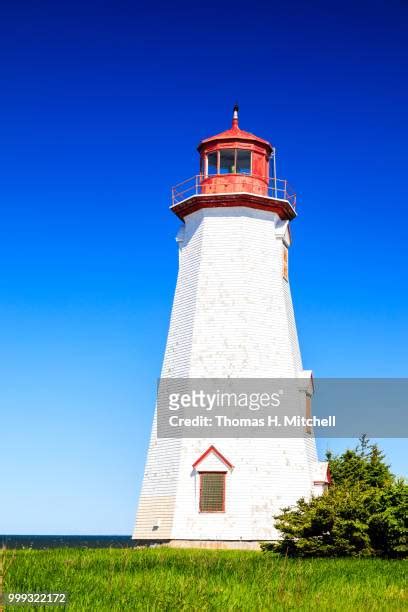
(208, 544)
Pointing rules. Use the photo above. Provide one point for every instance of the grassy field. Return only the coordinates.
(168, 579)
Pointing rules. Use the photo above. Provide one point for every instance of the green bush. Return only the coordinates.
(363, 513)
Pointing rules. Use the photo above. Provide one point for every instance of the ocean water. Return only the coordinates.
(65, 541)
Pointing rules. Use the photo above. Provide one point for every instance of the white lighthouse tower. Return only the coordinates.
(232, 317)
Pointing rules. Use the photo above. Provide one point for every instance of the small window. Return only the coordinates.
(227, 161)
(285, 263)
(212, 491)
(308, 412)
(212, 163)
(243, 161)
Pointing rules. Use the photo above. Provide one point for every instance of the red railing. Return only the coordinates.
(277, 189)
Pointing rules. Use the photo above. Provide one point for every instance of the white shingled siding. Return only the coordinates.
(232, 317)
(162, 464)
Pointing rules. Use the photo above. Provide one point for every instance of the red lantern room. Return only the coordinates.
(237, 168)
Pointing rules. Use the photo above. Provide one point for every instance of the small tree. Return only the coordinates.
(364, 512)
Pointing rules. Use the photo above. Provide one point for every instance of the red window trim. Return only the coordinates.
(223, 493)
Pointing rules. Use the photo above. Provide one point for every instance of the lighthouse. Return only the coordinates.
(232, 318)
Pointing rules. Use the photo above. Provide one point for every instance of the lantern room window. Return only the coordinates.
(243, 161)
(212, 491)
(229, 161)
(212, 163)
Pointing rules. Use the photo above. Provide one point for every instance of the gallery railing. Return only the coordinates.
(274, 188)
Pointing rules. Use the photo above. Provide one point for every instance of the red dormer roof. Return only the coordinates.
(212, 449)
(234, 134)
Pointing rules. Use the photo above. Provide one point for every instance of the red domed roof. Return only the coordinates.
(235, 133)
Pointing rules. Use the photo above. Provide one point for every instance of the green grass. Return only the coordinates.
(168, 579)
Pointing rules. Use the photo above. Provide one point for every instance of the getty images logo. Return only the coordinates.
(201, 399)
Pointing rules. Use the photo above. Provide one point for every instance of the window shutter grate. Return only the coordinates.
(212, 491)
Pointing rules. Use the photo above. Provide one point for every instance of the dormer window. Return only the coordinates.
(212, 468)
(229, 161)
(212, 491)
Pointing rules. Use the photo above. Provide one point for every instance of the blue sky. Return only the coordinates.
(102, 107)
